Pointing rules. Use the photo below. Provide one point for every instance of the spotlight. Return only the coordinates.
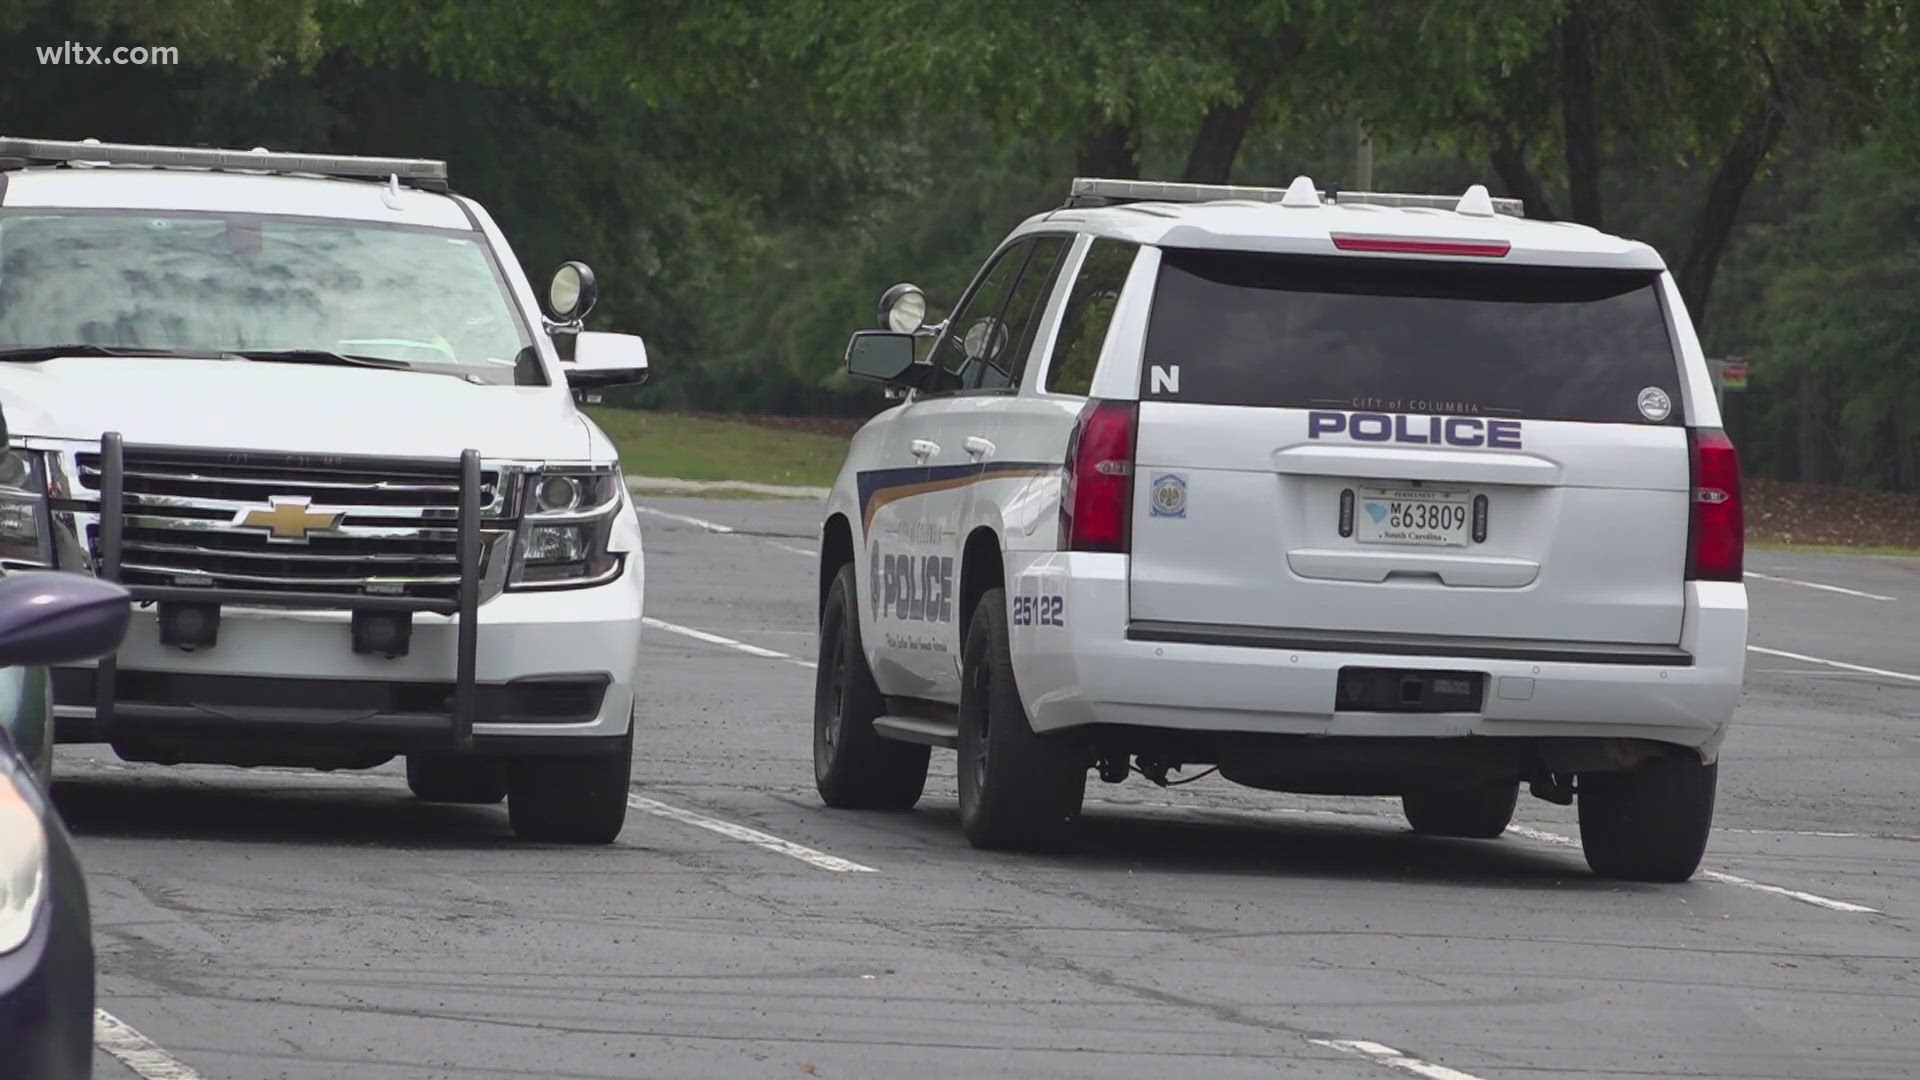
(189, 626)
(385, 633)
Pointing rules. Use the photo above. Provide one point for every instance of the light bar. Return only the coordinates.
(1417, 245)
(1087, 191)
(415, 172)
(1512, 207)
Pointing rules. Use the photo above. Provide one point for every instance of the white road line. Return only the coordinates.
(716, 639)
(750, 836)
(1715, 875)
(1792, 894)
(710, 526)
(1817, 585)
(136, 1051)
(1393, 1059)
(1842, 664)
(809, 553)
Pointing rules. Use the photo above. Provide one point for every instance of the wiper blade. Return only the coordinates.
(320, 356)
(27, 354)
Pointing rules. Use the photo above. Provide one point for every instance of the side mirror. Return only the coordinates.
(883, 356)
(56, 617)
(903, 309)
(601, 359)
(572, 292)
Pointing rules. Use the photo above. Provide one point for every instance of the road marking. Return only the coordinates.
(716, 639)
(796, 550)
(1817, 585)
(1393, 1059)
(136, 1051)
(1792, 894)
(710, 526)
(1716, 875)
(1842, 664)
(750, 836)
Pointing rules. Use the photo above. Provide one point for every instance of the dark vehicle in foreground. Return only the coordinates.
(46, 932)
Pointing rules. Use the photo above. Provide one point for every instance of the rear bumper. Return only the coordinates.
(1090, 670)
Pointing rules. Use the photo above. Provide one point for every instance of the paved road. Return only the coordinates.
(259, 924)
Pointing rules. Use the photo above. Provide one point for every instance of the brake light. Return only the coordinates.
(1414, 245)
(1096, 497)
(1717, 535)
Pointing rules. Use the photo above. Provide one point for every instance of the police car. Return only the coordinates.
(1343, 493)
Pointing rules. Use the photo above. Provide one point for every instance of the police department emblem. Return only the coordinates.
(1169, 495)
(1655, 405)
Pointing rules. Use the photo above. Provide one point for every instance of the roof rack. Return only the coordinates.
(428, 175)
(1092, 191)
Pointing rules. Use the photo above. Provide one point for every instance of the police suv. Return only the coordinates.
(1358, 494)
(306, 408)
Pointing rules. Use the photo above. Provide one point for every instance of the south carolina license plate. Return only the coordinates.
(1409, 515)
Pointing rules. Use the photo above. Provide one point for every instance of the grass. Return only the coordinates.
(1835, 549)
(710, 448)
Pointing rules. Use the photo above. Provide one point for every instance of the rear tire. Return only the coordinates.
(1018, 789)
(571, 800)
(1480, 812)
(855, 767)
(1650, 824)
(447, 779)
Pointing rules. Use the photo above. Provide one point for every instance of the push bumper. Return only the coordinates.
(1090, 670)
(558, 665)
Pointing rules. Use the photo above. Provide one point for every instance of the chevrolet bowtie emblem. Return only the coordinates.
(289, 518)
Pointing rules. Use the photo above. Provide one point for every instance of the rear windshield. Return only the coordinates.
(1390, 335)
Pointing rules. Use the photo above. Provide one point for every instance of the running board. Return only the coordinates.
(917, 729)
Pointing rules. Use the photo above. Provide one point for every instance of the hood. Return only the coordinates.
(258, 405)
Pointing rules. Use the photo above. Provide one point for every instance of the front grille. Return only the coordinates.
(398, 535)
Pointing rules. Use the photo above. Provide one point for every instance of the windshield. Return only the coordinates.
(174, 281)
(1386, 335)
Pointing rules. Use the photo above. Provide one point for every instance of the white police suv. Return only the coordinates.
(1355, 494)
(307, 409)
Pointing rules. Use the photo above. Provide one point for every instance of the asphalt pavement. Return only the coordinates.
(257, 924)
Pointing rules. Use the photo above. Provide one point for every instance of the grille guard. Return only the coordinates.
(465, 607)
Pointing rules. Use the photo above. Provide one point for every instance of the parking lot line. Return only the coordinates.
(1817, 585)
(748, 836)
(710, 526)
(1842, 664)
(136, 1051)
(1393, 1059)
(716, 639)
(1723, 878)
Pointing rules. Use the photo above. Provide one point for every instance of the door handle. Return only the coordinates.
(924, 448)
(978, 446)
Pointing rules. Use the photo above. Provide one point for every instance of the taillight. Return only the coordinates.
(1096, 497)
(1415, 245)
(1717, 538)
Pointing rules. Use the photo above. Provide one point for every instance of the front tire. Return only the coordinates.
(1481, 812)
(1018, 789)
(854, 766)
(444, 778)
(571, 800)
(1650, 824)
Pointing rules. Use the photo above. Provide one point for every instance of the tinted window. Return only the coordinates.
(1400, 336)
(1083, 324)
(974, 328)
(1001, 368)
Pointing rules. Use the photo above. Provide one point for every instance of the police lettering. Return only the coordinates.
(917, 587)
(1433, 430)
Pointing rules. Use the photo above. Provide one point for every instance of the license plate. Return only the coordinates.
(1434, 517)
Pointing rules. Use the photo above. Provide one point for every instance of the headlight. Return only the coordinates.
(23, 509)
(23, 860)
(566, 522)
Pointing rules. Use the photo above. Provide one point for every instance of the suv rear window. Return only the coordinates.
(1391, 335)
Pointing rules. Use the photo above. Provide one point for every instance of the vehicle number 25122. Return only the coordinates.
(1039, 611)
